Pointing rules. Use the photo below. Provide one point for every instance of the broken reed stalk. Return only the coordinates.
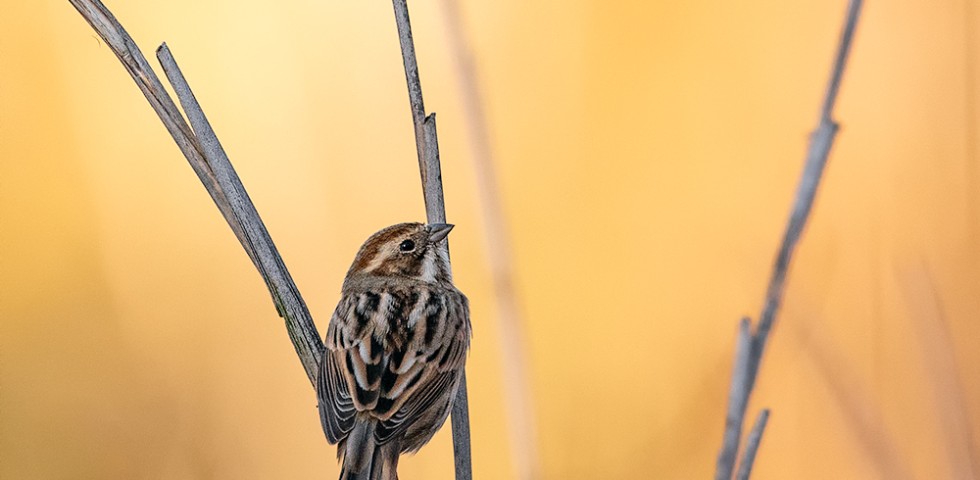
(427, 148)
(203, 151)
(752, 446)
(749, 352)
(517, 391)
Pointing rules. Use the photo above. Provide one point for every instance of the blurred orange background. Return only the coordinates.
(647, 155)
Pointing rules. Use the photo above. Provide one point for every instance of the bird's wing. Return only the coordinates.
(333, 398)
(422, 376)
(345, 374)
(432, 395)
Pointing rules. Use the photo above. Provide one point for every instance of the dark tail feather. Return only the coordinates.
(365, 460)
(359, 452)
(385, 463)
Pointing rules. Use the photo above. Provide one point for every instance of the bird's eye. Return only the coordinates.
(407, 246)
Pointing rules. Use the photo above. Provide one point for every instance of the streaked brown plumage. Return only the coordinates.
(395, 350)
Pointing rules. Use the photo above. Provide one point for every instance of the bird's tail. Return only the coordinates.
(366, 460)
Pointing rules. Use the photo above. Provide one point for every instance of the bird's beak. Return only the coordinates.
(438, 231)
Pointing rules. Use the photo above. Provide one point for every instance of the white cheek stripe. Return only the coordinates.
(429, 268)
(376, 262)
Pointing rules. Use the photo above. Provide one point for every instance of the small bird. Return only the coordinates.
(395, 350)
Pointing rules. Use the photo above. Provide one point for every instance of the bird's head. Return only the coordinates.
(413, 250)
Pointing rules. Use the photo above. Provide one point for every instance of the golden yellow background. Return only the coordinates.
(647, 153)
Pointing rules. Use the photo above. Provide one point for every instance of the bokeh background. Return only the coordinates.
(647, 154)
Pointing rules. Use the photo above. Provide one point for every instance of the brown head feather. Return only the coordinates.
(402, 250)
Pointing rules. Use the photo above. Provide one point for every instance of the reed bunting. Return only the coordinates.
(395, 350)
